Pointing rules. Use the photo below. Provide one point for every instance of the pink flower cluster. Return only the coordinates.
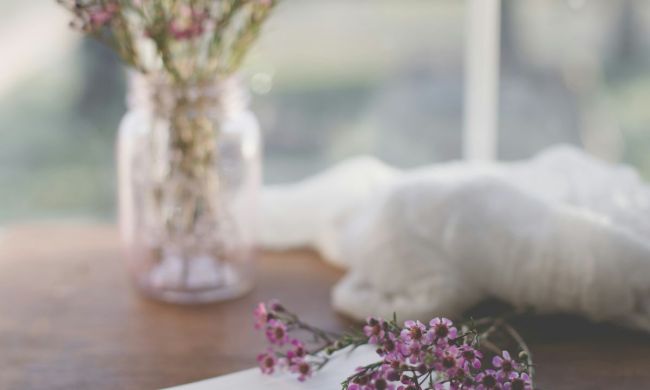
(413, 356)
(284, 351)
(417, 356)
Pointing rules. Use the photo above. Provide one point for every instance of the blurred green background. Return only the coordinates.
(333, 79)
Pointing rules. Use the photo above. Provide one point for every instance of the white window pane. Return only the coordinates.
(576, 71)
(381, 77)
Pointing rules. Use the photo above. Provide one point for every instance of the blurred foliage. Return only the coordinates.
(56, 154)
(339, 78)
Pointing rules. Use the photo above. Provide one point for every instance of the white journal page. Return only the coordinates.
(330, 377)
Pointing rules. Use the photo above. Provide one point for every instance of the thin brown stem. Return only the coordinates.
(524, 347)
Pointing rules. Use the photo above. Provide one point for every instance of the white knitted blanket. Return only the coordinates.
(562, 232)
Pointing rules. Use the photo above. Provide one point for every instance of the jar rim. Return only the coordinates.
(158, 93)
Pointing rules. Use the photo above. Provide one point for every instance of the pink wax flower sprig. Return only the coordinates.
(300, 355)
(411, 356)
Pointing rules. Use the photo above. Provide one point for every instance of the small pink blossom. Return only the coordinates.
(374, 330)
(415, 354)
(413, 332)
(267, 362)
(261, 315)
(302, 368)
(298, 351)
(505, 364)
(449, 361)
(518, 381)
(392, 347)
(381, 384)
(442, 329)
(276, 332)
(487, 380)
(470, 357)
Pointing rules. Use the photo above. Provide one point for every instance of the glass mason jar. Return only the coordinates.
(188, 177)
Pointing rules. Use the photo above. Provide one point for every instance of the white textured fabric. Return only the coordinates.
(562, 232)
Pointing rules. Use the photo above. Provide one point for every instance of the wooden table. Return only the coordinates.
(69, 319)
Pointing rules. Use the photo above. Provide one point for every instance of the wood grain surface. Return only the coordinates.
(69, 319)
